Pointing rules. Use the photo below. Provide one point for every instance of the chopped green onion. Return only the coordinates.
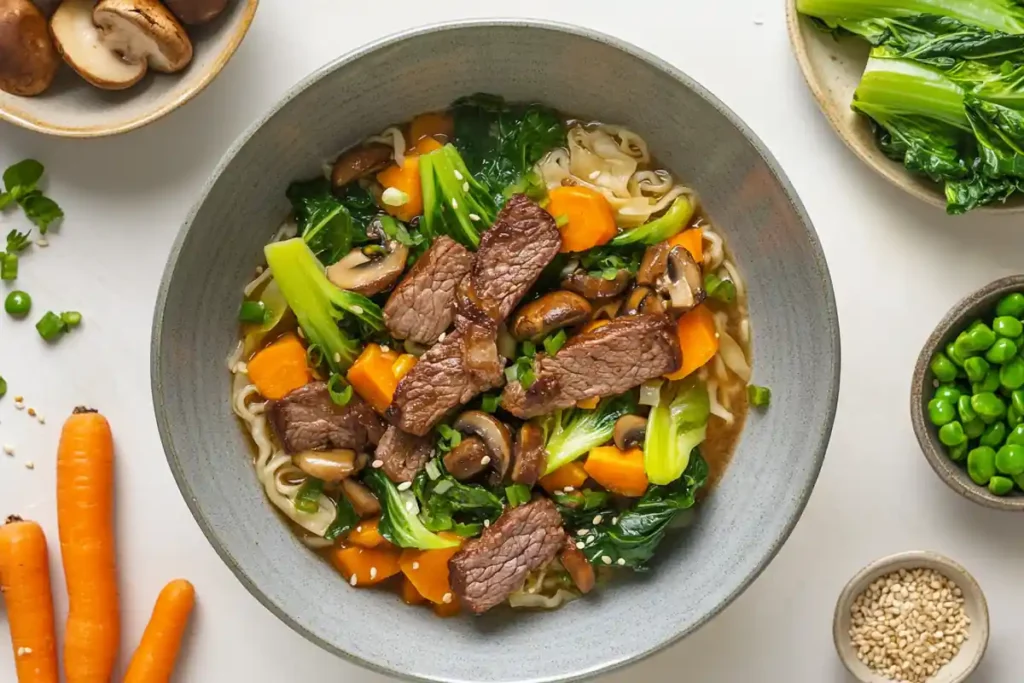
(719, 289)
(3, 387)
(511, 373)
(489, 403)
(759, 396)
(433, 471)
(529, 349)
(527, 378)
(253, 312)
(341, 393)
(50, 326)
(554, 342)
(610, 273)
(308, 498)
(468, 530)
(517, 494)
(561, 220)
(9, 267)
(442, 486)
(314, 356)
(71, 319)
(450, 438)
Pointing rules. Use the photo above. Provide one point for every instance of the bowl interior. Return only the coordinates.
(832, 68)
(796, 350)
(978, 304)
(74, 108)
(975, 605)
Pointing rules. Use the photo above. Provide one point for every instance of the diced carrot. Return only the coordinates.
(698, 339)
(280, 368)
(428, 571)
(569, 475)
(410, 595)
(447, 609)
(427, 145)
(401, 367)
(585, 216)
(367, 534)
(369, 566)
(436, 124)
(407, 179)
(691, 240)
(371, 377)
(388, 356)
(618, 471)
(593, 325)
(588, 403)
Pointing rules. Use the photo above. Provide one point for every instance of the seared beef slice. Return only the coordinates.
(489, 568)
(403, 455)
(308, 420)
(423, 304)
(607, 361)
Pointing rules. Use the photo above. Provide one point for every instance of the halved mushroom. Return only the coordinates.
(363, 501)
(607, 310)
(329, 466)
(494, 434)
(28, 60)
(371, 269)
(683, 281)
(629, 432)
(359, 162)
(529, 458)
(143, 31)
(643, 300)
(653, 264)
(468, 459)
(78, 40)
(195, 12)
(551, 312)
(578, 566)
(595, 287)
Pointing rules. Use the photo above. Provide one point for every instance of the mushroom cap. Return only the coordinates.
(643, 299)
(468, 459)
(330, 466)
(629, 432)
(195, 12)
(79, 42)
(540, 317)
(143, 31)
(364, 275)
(28, 60)
(363, 501)
(683, 281)
(359, 162)
(494, 434)
(595, 287)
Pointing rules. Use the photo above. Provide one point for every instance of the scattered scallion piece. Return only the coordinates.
(561, 220)
(554, 342)
(253, 312)
(3, 387)
(468, 530)
(308, 498)
(529, 349)
(517, 494)
(314, 356)
(527, 378)
(9, 267)
(759, 397)
(433, 471)
(489, 403)
(340, 391)
(50, 326)
(450, 438)
(71, 319)
(723, 290)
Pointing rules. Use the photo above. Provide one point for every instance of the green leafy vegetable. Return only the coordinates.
(879, 17)
(659, 229)
(361, 206)
(570, 433)
(322, 309)
(20, 181)
(578, 507)
(454, 202)
(675, 427)
(344, 520)
(720, 289)
(489, 403)
(17, 241)
(325, 224)
(445, 502)
(41, 210)
(399, 520)
(606, 261)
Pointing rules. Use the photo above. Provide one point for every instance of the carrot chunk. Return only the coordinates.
(410, 595)
(569, 475)
(435, 125)
(372, 378)
(427, 570)
(691, 240)
(585, 217)
(618, 471)
(280, 367)
(405, 178)
(367, 534)
(698, 339)
(366, 566)
(447, 609)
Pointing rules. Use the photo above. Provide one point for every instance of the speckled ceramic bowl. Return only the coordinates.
(73, 108)
(980, 303)
(796, 351)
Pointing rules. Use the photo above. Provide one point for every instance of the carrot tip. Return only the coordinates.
(82, 409)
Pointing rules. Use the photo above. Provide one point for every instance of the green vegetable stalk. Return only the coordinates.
(568, 434)
(660, 229)
(399, 522)
(454, 202)
(675, 427)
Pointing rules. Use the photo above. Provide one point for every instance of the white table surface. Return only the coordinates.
(897, 266)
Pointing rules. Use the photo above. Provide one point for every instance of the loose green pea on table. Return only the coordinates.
(978, 403)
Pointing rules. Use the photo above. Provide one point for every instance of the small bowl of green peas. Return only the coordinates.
(967, 397)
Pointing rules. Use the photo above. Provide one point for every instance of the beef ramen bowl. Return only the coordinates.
(412, 332)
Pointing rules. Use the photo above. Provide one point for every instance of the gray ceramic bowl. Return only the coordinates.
(741, 526)
(980, 303)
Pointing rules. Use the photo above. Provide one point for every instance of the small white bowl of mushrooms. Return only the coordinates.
(88, 68)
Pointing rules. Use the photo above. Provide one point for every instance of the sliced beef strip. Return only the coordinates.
(308, 420)
(423, 304)
(529, 458)
(403, 454)
(604, 362)
(489, 568)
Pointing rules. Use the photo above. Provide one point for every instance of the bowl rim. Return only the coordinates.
(954, 477)
(965, 580)
(32, 123)
(831, 400)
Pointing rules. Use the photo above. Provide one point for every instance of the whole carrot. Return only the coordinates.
(85, 508)
(153, 661)
(25, 585)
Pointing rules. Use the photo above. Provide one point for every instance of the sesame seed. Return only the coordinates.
(259, 270)
(569, 489)
(415, 565)
(19, 399)
(19, 405)
(373, 573)
(337, 357)
(487, 523)
(446, 598)
(30, 465)
(384, 348)
(473, 217)
(8, 449)
(606, 559)
(597, 519)
(354, 580)
(359, 528)
(302, 335)
(458, 175)
(581, 545)
(455, 203)
(485, 460)
(405, 486)
(31, 412)
(591, 539)
(621, 561)
(377, 464)
(594, 175)
(22, 651)
(42, 242)
(410, 506)
(615, 520)
(465, 187)
(583, 532)
(358, 310)
(441, 337)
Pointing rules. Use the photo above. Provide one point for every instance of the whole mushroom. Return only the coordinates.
(494, 434)
(359, 162)
(596, 287)
(551, 312)
(370, 269)
(629, 432)
(195, 12)
(28, 60)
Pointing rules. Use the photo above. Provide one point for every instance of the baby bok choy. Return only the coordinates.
(399, 520)
(676, 426)
(570, 433)
(454, 203)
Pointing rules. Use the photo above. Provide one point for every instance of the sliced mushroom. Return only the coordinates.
(363, 501)
(370, 270)
(494, 434)
(359, 162)
(607, 310)
(468, 459)
(629, 432)
(643, 300)
(683, 282)
(653, 264)
(578, 566)
(595, 287)
(28, 60)
(330, 466)
(551, 312)
(195, 12)
(143, 31)
(78, 41)
(529, 458)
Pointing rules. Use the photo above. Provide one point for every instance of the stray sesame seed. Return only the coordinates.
(259, 270)
(446, 598)
(405, 486)
(594, 175)
(615, 520)
(591, 539)
(455, 203)
(415, 565)
(581, 545)
(410, 506)
(337, 357)
(22, 651)
(569, 489)
(302, 335)
(19, 405)
(31, 412)
(458, 175)
(473, 217)
(441, 337)
(465, 187)
(19, 399)
(42, 242)
(359, 528)
(597, 519)
(621, 561)
(358, 310)
(377, 464)
(30, 465)
(583, 532)
(487, 523)
(384, 348)
(485, 460)
(354, 580)
(373, 573)
(606, 559)
(8, 449)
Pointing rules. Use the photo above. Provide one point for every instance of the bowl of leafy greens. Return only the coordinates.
(929, 94)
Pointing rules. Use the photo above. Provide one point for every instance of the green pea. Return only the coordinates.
(943, 368)
(979, 337)
(941, 412)
(994, 435)
(958, 453)
(988, 405)
(18, 303)
(1013, 417)
(1001, 351)
(962, 349)
(1011, 375)
(952, 434)
(987, 385)
(1019, 481)
(964, 409)
(954, 355)
(981, 464)
(1019, 341)
(1000, 486)
(976, 368)
(1016, 436)
(1010, 459)
(1011, 304)
(1017, 400)
(948, 392)
(1007, 326)
(974, 428)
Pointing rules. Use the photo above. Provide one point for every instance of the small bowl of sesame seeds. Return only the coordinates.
(914, 617)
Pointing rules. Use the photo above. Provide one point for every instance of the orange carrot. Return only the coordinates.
(280, 367)
(407, 179)
(25, 585)
(85, 518)
(427, 570)
(366, 534)
(372, 378)
(427, 145)
(691, 240)
(593, 325)
(447, 609)
(366, 566)
(585, 217)
(570, 475)
(618, 471)
(436, 125)
(153, 661)
(410, 595)
(698, 340)
(588, 403)
(403, 365)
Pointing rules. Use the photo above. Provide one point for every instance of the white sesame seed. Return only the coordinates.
(405, 486)
(30, 465)
(446, 598)
(384, 348)
(581, 545)
(485, 460)
(373, 573)
(415, 565)
(455, 203)
(22, 651)
(441, 337)
(615, 520)
(465, 187)
(606, 559)
(353, 580)
(487, 523)
(359, 528)
(621, 561)
(458, 175)
(377, 464)
(259, 270)
(594, 175)
(473, 217)
(302, 335)
(410, 506)
(19, 405)
(337, 357)
(358, 310)
(597, 519)
(583, 532)
(569, 489)
(392, 196)
(42, 242)
(8, 449)
(591, 539)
